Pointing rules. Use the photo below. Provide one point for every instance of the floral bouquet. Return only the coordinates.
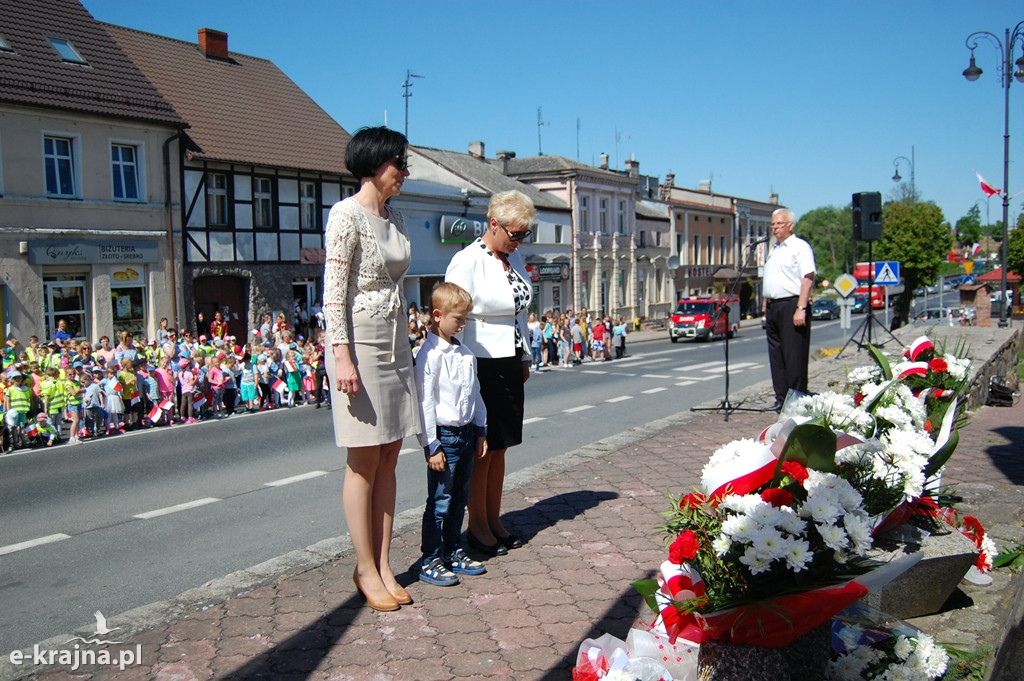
(769, 549)
(870, 645)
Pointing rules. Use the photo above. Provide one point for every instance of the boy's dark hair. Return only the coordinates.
(370, 148)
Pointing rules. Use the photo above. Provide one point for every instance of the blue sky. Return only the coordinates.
(812, 100)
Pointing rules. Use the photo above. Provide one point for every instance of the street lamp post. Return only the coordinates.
(1006, 75)
(896, 173)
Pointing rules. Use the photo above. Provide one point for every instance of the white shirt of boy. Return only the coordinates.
(448, 387)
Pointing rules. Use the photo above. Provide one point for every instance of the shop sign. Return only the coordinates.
(553, 272)
(69, 252)
(460, 230)
(697, 272)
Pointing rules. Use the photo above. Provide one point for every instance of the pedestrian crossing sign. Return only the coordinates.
(887, 273)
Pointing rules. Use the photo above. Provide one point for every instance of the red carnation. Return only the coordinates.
(858, 398)
(776, 496)
(938, 365)
(684, 548)
(692, 500)
(928, 426)
(795, 470)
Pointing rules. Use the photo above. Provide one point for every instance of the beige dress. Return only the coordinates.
(386, 408)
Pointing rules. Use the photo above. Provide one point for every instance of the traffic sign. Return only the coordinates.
(968, 279)
(845, 285)
(887, 273)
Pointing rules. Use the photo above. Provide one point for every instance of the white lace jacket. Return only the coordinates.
(355, 275)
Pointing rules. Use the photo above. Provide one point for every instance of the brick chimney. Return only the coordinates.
(213, 43)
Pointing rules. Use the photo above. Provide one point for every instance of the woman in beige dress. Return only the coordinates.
(369, 365)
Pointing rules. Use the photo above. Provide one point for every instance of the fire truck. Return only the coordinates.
(864, 272)
(704, 319)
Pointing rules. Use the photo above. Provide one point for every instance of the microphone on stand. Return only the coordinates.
(760, 241)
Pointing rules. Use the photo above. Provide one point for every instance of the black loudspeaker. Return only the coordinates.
(867, 216)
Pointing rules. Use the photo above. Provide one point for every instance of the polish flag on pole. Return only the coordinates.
(199, 401)
(167, 405)
(155, 413)
(986, 187)
(280, 386)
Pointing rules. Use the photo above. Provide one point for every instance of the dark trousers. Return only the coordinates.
(448, 492)
(789, 347)
(321, 375)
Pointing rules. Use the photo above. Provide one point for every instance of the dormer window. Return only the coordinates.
(4, 47)
(66, 50)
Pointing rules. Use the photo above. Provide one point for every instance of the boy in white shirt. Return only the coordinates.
(455, 429)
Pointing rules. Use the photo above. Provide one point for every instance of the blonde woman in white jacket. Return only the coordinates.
(496, 332)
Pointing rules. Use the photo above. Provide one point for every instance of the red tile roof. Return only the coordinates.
(241, 109)
(32, 73)
(997, 275)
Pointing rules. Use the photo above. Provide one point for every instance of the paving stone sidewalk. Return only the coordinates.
(590, 520)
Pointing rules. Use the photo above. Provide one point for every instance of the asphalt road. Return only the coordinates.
(121, 522)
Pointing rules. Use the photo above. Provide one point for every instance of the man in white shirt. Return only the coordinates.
(788, 280)
(454, 431)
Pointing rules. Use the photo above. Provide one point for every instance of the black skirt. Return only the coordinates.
(501, 387)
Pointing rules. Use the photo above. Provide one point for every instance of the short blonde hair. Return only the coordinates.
(512, 209)
(448, 297)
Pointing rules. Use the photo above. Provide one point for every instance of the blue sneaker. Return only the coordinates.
(463, 564)
(437, 573)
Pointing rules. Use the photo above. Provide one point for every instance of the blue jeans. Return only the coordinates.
(448, 492)
(535, 351)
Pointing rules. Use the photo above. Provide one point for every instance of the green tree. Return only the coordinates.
(829, 231)
(918, 236)
(968, 228)
(1015, 248)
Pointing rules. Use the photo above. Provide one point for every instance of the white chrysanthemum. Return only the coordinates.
(863, 374)
(739, 528)
(740, 503)
(959, 367)
(755, 561)
(820, 509)
(798, 554)
(845, 668)
(859, 531)
(895, 415)
(789, 522)
(834, 536)
(726, 454)
(870, 390)
(721, 545)
(770, 543)
(764, 514)
(903, 647)
(990, 549)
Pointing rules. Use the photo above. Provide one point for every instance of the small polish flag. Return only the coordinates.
(118, 387)
(975, 248)
(280, 386)
(167, 404)
(290, 367)
(199, 401)
(155, 413)
(986, 187)
(134, 398)
(31, 430)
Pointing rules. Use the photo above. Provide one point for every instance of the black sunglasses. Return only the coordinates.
(401, 163)
(516, 236)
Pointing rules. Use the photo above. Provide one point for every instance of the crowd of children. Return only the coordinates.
(71, 389)
(566, 339)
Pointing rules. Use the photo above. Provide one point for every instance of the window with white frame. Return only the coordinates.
(59, 164)
(602, 215)
(262, 202)
(558, 234)
(620, 216)
(67, 51)
(711, 250)
(307, 205)
(64, 297)
(124, 165)
(584, 214)
(721, 250)
(216, 199)
(696, 249)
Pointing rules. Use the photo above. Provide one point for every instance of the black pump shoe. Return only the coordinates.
(486, 549)
(511, 542)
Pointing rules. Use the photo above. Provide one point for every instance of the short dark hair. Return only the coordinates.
(370, 148)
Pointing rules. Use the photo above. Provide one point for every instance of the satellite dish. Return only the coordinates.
(673, 262)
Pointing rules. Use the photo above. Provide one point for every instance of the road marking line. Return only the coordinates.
(639, 363)
(694, 367)
(21, 546)
(741, 365)
(653, 390)
(655, 376)
(697, 378)
(594, 371)
(174, 509)
(622, 373)
(620, 398)
(582, 407)
(534, 419)
(296, 478)
(684, 384)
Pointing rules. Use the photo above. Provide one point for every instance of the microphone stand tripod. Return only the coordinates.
(726, 406)
(869, 321)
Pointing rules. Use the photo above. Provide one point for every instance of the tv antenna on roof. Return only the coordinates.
(540, 122)
(407, 86)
